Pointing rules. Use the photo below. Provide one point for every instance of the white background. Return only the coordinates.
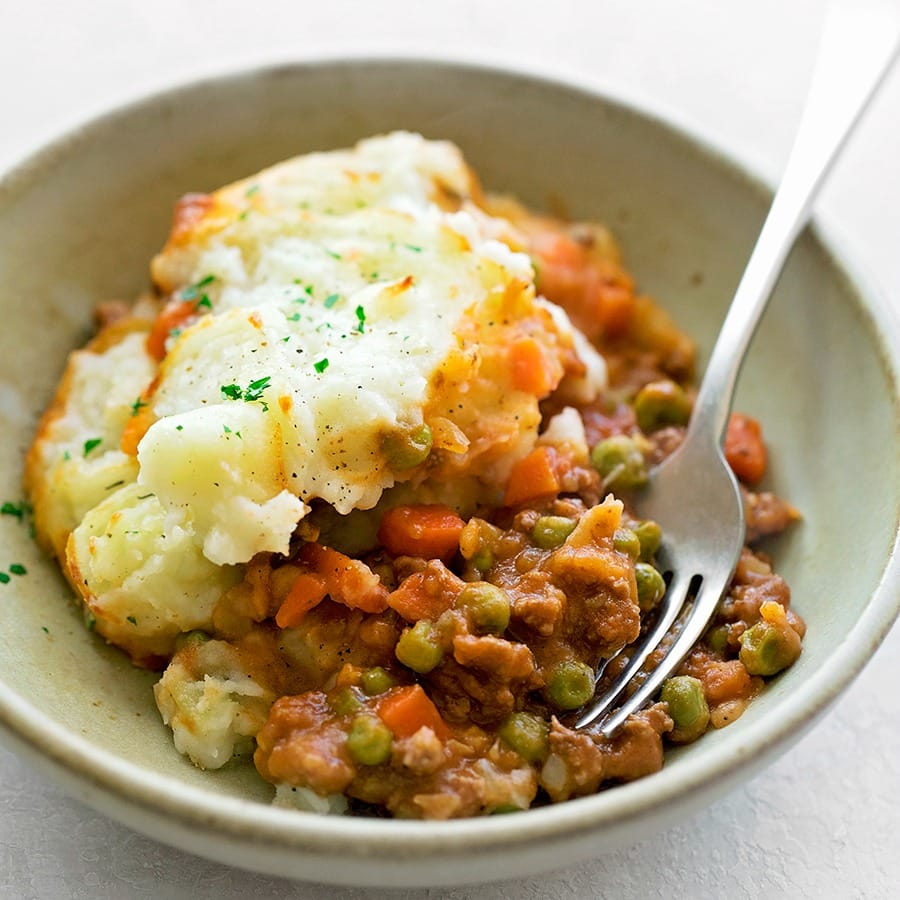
(822, 822)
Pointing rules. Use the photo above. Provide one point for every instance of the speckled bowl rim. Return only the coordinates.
(104, 775)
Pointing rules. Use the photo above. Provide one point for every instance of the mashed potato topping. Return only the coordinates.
(336, 286)
(322, 317)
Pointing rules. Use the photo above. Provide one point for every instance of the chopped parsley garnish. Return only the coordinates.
(321, 365)
(193, 291)
(204, 302)
(18, 510)
(251, 190)
(179, 427)
(66, 455)
(255, 388)
(250, 394)
(294, 318)
(137, 406)
(45, 629)
(360, 319)
(229, 432)
(413, 247)
(131, 619)
(331, 299)
(332, 254)
(92, 444)
(16, 569)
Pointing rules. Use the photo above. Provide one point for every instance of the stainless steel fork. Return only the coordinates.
(693, 494)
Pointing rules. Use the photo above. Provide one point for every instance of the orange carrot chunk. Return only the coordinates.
(348, 581)
(407, 709)
(744, 448)
(532, 477)
(530, 372)
(617, 304)
(596, 293)
(306, 592)
(430, 531)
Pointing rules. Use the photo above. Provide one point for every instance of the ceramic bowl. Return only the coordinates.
(79, 223)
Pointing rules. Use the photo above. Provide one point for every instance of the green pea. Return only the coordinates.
(626, 541)
(571, 684)
(766, 648)
(717, 638)
(550, 532)
(483, 559)
(620, 461)
(650, 536)
(687, 707)
(344, 701)
(661, 403)
(407, 447)
(486, 606)
(376, 680)
(190, 639)
(369, 741)
(528, 735)
(650, 585)
(419, 647)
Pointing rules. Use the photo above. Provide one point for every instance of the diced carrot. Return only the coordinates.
(135, 429)
(744, 448)
(617, 304)
(421, 597)
(530, 372)
(348, 581)
(306, 592)
(596, 293)
(174, 314)
(430, 531)
(407, 709)
(533, 477)
(557, 249)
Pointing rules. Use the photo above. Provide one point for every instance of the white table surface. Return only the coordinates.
(823, 821)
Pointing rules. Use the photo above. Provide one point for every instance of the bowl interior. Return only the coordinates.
(81, 221)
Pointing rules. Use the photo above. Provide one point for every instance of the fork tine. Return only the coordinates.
(671, 606)
(705, 603)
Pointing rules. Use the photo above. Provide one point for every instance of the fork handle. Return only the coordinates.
(860, 39)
